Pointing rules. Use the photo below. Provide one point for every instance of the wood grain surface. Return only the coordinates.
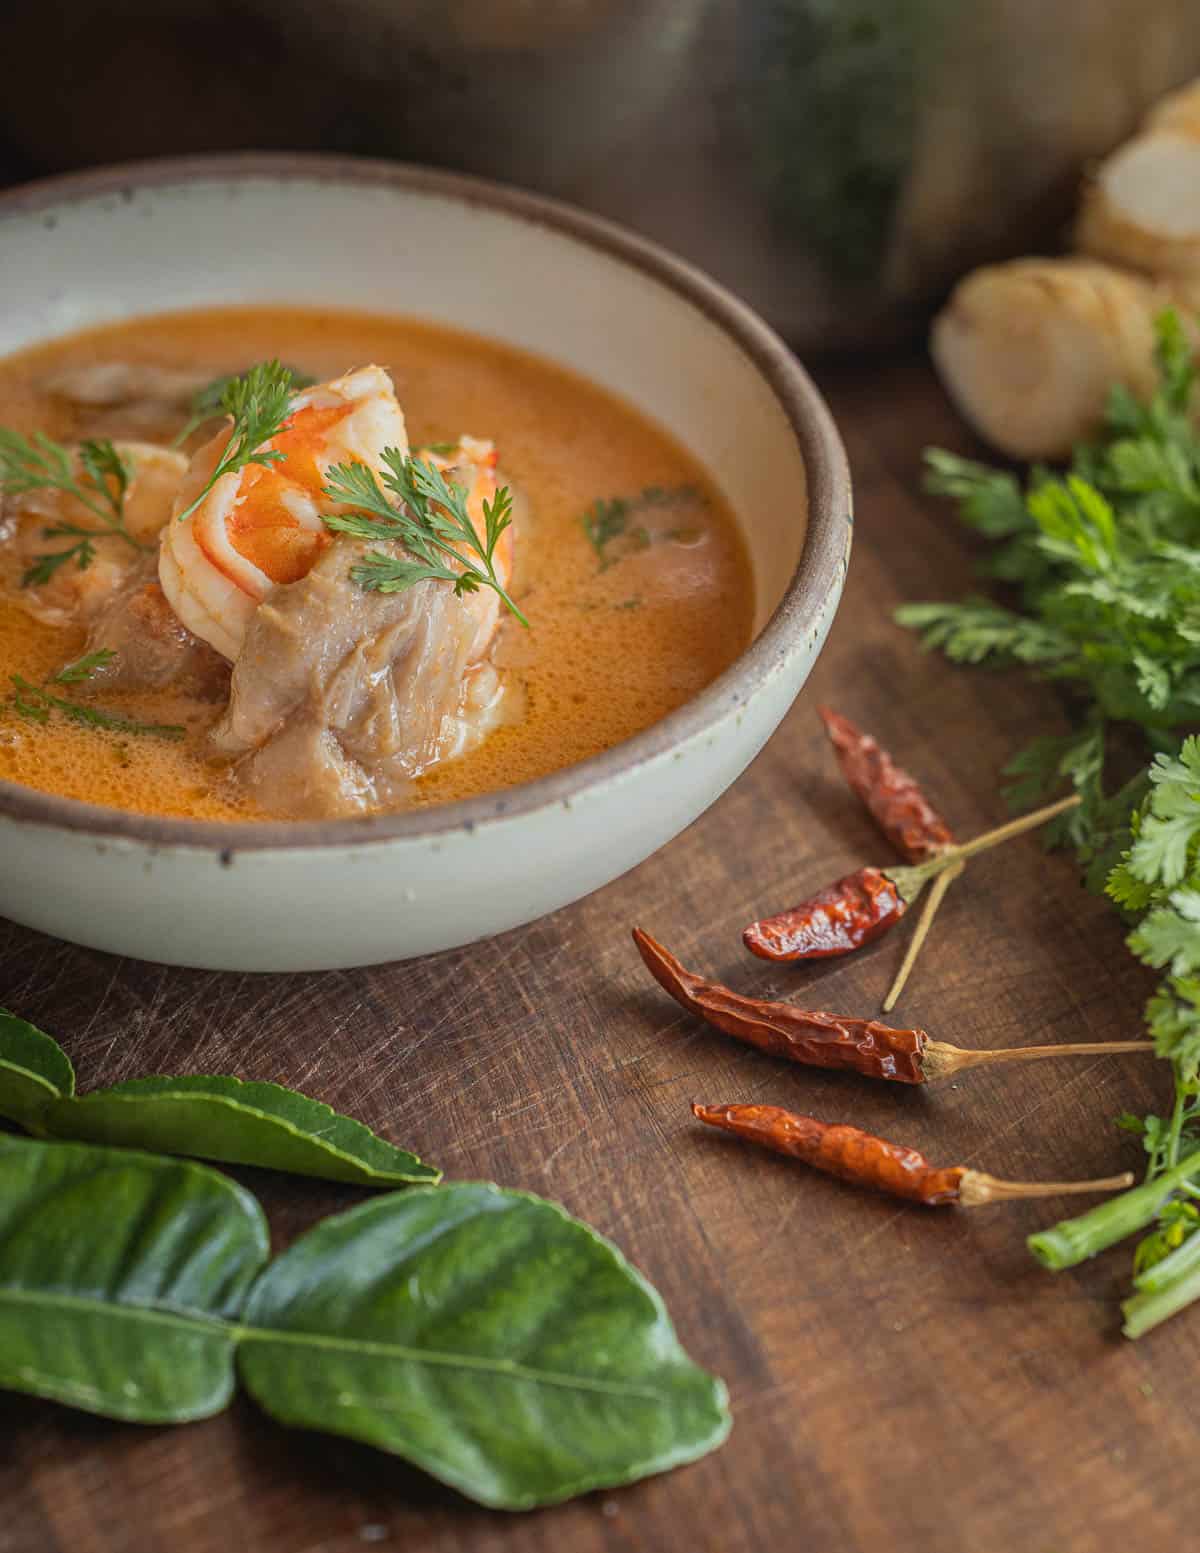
(900, 1379)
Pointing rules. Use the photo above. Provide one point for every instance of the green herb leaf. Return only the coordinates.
(485, 1336)
(1176, 367)
(208, 1116)
(1169, 829)
(36, 702)
(978, 631)
(1044, 765)
(82, 668)
(208, 403)
(43, 567)
(1076, 523)
(990, 500)
(34, 1071)
(603, 522)
(258, 404)
(428, 520)
(119, 1274)
(237, 1123)
(38, 463)
(1173, 1017)
(608, 520)
(109, 473)
(1170, 936)
(205, 406)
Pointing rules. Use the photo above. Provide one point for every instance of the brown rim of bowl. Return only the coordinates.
(825, 543)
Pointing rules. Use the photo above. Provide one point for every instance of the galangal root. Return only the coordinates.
(1029, 350)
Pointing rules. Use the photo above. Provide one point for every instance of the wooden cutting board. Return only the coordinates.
(900, 1379)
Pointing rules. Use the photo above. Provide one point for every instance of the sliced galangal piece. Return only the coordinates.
(1141, 205)
(1030, 350)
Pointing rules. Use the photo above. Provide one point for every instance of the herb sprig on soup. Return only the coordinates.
(234, 589)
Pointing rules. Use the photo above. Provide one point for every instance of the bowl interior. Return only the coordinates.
(427, 248)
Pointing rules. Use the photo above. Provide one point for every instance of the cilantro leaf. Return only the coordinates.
(100, 485)
(978, 631)
(208, 402)
(82, 668)
(990, 500)
(258, 405)
(608, 520)
(38, 702)
(1170, 935)
(428, 521)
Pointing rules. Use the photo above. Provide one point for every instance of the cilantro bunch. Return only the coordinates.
(1105, 557)
(1105, 561)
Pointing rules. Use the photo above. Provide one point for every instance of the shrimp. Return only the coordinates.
(74, 595)
(264, 525)
(341, 697)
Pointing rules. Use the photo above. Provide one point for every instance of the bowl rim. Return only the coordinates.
(822, 557)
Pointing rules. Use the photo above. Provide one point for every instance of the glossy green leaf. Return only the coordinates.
(34, 1070)
(485, 1336)
(239, 1124)
(119, 1276)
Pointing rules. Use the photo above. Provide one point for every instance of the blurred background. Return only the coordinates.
(837, 162)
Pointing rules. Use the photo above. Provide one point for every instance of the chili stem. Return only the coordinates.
(1017, 827)
(911, 881)
(932, 901)
(1075, 1240)
(942, 1060)
(1143, 1312)
(978, 1188)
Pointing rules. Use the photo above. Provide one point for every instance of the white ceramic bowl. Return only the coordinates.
(125, 241)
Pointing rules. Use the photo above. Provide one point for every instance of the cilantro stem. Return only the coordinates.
(1143, 1312)
(1176, 1130)
(1158, 1277)
(113, 525)
(1073, 1241)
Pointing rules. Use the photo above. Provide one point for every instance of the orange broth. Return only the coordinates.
(616, 641)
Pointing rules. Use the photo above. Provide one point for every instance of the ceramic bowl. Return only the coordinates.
(120, 242)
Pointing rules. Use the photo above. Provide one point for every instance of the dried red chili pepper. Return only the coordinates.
(905, 816)
(865, 904)
(894, 799)
(821, 1040)
(843, 916)
(865, 1160)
